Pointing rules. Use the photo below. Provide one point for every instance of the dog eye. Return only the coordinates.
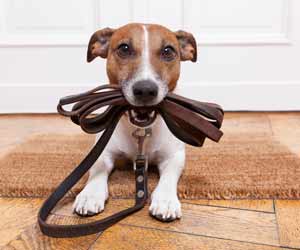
(168, 53)
(124, 50)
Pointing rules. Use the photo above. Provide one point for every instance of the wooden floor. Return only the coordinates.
(242, 224)
(230, 225)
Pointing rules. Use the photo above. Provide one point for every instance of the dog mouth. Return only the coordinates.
(142, 117)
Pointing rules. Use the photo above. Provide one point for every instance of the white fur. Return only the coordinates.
(162, 149)
(146, 70)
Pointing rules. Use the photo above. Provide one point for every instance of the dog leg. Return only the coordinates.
(92, 198)
(165, 205)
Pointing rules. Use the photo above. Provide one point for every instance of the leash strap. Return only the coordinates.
(62, 231)
(190, 121)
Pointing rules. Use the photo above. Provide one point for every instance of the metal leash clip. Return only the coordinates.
(141, 134)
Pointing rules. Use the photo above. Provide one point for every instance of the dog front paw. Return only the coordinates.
(88, 204)
(165, 207)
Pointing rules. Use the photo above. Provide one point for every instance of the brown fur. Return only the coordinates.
(104, 43)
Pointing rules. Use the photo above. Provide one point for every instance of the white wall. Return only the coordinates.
(249, 50)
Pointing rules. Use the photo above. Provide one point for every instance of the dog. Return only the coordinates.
(144, 59)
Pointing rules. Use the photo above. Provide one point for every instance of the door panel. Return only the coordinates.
(249, 50)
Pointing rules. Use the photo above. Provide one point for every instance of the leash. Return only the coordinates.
(189, 120)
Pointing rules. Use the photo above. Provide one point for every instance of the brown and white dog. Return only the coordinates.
(145, 60)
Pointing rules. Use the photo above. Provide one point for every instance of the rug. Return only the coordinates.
(248, 163)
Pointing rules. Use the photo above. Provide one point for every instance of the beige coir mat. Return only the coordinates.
(247, 163)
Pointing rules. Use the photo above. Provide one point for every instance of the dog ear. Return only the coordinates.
(188, 46)
(99, 44)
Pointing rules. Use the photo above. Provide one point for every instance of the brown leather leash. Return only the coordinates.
(189, 120)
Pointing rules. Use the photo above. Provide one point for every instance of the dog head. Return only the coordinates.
(143, 58)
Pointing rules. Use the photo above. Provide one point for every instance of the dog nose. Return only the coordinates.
(145, 91)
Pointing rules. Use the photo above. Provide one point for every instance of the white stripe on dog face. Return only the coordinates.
(146, 71)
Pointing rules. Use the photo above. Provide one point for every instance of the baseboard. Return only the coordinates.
(247, 96)
(252, 96)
